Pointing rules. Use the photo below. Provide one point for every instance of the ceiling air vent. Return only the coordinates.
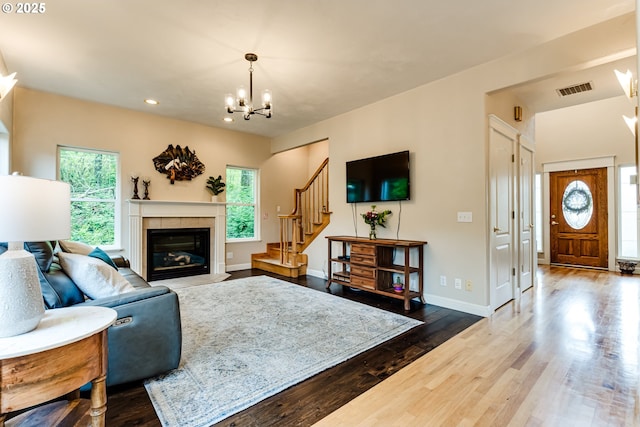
(571, 90)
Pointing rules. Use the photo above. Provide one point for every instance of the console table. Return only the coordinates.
(371, 265)
(67, 350)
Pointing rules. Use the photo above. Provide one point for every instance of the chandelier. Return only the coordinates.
(244, 105)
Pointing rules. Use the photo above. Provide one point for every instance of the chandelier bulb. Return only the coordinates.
(266, 98)
(229, 102)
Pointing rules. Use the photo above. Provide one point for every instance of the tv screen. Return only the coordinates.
(377, 179)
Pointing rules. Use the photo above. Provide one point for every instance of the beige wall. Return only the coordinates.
(444, 125)
(6, 124)
(43, 121)
(502, 103)
(585, 131)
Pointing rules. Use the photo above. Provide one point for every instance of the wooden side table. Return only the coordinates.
(67, 350)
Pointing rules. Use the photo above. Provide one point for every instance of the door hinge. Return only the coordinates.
(513, 271)
(513, 158)
(513, 214)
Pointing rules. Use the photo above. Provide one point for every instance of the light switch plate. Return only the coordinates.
(465, 217)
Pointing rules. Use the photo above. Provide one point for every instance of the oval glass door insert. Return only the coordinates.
(577, 204)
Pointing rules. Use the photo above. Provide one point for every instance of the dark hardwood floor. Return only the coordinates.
(313, 399)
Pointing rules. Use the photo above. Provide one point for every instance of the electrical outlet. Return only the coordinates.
(229, 255)
(468, 286)
(443, 280)
(458, 283)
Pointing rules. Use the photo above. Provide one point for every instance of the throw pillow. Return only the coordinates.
(42, 252)
(75, 247)
(100, 254)
(95, 278)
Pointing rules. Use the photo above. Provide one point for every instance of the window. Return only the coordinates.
(4, 152)
(242, 206)
(577, 204)
(628, 230)
(538, 226)
(93, 176)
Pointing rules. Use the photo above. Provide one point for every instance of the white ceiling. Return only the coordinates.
(320, 58)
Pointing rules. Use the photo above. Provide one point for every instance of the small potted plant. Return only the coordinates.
(215, 186)
(397, 286)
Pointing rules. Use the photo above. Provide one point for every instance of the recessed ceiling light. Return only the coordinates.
(151, 101)
(228, 119)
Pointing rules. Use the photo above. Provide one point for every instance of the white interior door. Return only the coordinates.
(502, 144)
(526, 241)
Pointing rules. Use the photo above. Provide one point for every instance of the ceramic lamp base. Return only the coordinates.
(21, 303)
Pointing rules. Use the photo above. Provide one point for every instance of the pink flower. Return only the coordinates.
(374, 217)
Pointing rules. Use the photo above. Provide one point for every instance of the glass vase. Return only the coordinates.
(372, 231)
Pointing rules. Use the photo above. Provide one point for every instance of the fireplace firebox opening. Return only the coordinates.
(177, 252)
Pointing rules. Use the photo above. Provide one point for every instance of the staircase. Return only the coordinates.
(298, 229)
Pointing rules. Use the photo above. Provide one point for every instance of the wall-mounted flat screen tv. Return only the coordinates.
(377, 179)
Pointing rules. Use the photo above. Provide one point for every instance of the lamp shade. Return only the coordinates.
(34, 209)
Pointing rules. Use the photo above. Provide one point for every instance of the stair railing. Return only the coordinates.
(311, 202)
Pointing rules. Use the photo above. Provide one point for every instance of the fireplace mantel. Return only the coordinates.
(140, 209)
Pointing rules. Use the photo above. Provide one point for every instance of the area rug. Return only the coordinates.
(185, 282)
(247, 339)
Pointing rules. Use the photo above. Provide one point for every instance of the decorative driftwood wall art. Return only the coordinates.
(179, 164)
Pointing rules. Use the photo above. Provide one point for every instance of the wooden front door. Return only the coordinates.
(579, 217)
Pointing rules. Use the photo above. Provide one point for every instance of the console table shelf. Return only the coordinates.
(370, 265)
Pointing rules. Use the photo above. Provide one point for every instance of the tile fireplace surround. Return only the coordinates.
(159, 214)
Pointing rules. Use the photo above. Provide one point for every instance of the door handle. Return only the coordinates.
(496, 229)
(554, 223)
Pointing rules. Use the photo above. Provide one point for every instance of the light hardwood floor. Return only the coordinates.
(568, 358)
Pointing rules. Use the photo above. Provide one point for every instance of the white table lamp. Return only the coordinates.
(31, 210)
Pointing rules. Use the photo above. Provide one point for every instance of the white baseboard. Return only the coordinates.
(452, 304)
(478, 310)
(317, 273)
(237, 267)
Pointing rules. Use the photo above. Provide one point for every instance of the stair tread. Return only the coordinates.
(276, 261)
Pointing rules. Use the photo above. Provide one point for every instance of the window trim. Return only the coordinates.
(117, 232)
(619, 214)
(256, 226)
(539, 210)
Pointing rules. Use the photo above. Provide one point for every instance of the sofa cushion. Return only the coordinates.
(100, 254)
(93, 276)
(133, 278)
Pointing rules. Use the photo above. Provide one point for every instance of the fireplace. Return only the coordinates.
(177, 252)
(163, 214)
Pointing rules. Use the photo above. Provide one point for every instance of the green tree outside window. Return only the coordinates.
(242, 196)
(92, 176)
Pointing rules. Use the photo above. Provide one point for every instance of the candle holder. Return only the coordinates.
(135, 179)
(146, 183)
